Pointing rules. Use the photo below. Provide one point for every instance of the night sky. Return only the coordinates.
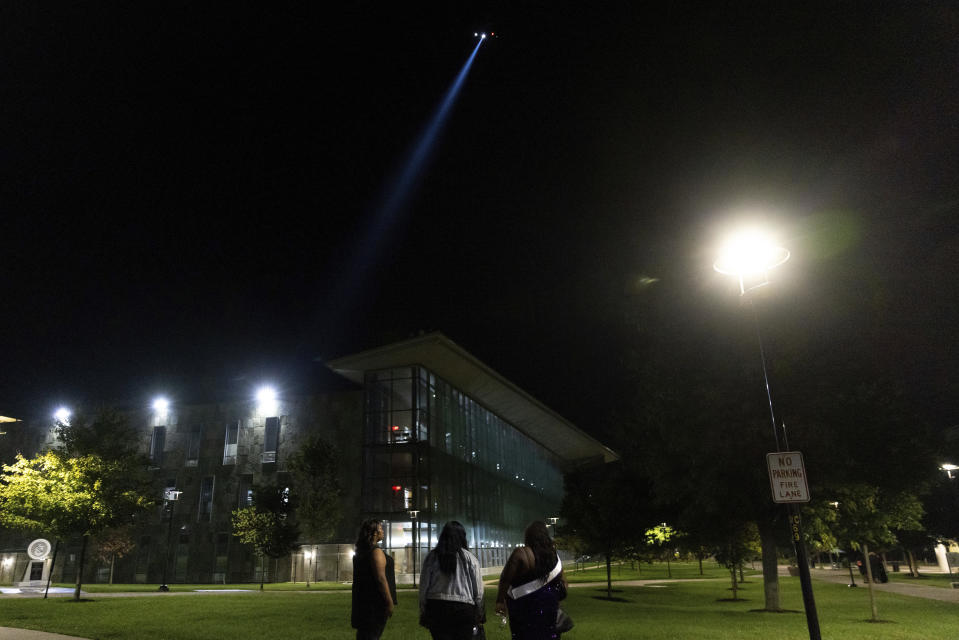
(190, 192)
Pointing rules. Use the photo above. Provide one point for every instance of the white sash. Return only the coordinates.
(533, 585)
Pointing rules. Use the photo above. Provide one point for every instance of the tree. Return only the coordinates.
(737, 544)
(941, 504)
(107, 433)
(70, 496)
(659, 537)
(268, 525)
(317, 488)
(572, 544)
(595, 511)
(695, 428)
(699, 404)
(867, 515)
(114, 543)
(696, 543)
(94, 481)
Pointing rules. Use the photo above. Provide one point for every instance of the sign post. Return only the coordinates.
(787, 480)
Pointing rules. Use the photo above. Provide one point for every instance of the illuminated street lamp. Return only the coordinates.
(551, 522)
(949, 469)
(750, 255)
(62, 415)
(170, 496)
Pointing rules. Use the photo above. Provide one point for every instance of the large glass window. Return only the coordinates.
(221, 555)
(230, 439)
(182, 557)
(205, 510)
(271, 439)
(244, 497)
(157, 442)
(389, 408)
(194, 437)
(432, 448)
(142, 559)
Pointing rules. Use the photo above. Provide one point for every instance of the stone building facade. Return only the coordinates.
(426, 433)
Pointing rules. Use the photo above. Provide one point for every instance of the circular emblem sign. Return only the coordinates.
(39, 549)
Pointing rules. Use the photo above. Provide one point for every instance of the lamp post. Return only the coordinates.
(551, 525)
(170, 497)
(749, 256)
(416, 536)
(309, 556)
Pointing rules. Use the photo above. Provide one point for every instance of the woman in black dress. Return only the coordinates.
(374, 583)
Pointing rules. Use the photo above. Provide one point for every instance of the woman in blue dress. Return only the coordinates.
(531, 586)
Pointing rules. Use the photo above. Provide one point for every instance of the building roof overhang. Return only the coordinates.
(457, 366)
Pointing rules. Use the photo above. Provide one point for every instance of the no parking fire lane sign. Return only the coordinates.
(787, 477)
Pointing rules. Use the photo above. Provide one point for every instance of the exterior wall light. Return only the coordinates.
(266, 404)
(161, 406)
(62, 415)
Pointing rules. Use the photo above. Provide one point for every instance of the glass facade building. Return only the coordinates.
(433, 451)
(447, 438)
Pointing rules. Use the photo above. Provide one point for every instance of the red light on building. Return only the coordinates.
(396, 487)
(394, 428)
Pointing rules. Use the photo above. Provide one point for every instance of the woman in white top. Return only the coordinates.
(451, 587)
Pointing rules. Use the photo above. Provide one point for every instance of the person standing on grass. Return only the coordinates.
(531, 586)
(374, 583)
(451, 588)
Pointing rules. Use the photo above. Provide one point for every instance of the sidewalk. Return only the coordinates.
(9, 633)
(841, 576)
(641, 583)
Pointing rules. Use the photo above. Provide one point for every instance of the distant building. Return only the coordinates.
(429, 434)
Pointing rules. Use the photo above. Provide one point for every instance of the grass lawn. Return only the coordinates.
(925, 579)
(645, 571)
(688, 610)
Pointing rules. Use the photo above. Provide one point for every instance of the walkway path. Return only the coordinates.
(9, 633)
(902, 588)
(640, 583)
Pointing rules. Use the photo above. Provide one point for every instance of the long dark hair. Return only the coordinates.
(544, 551)
(452, 539)
(366, 538)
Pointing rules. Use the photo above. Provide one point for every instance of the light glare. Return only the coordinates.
(750, 252)
(266, 401)
(161, 405)
(62, 415)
